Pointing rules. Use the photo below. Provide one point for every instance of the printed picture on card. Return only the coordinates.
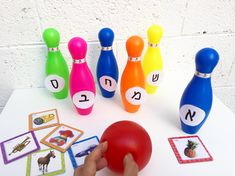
(80, 149)
(19, 146)
(45, 162)
(43, 119)
(189, 149)
(62, 137)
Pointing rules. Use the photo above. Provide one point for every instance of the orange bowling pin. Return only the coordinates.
(133, 79)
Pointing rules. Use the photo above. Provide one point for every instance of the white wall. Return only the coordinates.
(189, 25)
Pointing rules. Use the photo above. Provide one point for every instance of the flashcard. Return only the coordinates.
(62, 137)
(46, 162)
(189, 149)
(80, 149)
(43, 119)
(19, 146)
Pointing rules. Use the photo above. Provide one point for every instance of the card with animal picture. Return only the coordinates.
(189, 149)
(46, 162)
(19, 146)
(80, 149)
(43, 119)
(62, 137)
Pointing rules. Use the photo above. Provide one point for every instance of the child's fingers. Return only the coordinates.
(130, 166)
(102, 163)
(90, 164)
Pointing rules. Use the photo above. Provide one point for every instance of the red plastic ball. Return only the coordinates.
(125, 137)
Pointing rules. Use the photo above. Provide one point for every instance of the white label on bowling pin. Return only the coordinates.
(154, 78)
(54, 83)
(191, 115)
(135, 95)
(108, 83)
(84, 99)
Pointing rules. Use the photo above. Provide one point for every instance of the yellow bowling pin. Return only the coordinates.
(152, 62)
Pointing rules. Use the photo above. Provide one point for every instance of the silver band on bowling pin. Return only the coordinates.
(153, 45)
(134, 59)
(53, 49)
(203, 75)
(79, 61)
(106, 48)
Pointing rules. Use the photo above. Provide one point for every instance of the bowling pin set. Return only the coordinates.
(138, 78)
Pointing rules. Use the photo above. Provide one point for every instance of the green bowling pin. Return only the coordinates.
(57, 71)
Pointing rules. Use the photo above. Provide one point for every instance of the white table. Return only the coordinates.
(159, 116)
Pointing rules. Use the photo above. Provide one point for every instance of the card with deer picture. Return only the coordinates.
(62, 137)
(189, 149)
(19, 146)
(45, 162)
(43, 119)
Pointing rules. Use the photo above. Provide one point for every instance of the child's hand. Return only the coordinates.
(95, 161)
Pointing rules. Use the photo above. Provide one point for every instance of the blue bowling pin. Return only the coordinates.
(196, 101)
(107, 68)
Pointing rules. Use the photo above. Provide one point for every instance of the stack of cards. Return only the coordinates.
(62, 137)
(48, 161)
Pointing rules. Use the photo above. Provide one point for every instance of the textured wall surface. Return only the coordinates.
(189, 25)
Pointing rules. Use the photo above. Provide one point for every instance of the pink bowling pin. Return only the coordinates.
(82, 85)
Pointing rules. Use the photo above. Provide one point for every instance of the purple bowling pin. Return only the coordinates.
(82, 85)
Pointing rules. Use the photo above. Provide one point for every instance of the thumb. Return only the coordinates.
(130, 166)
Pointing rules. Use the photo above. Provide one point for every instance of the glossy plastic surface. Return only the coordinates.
(81, 78)
(152, 61)
(133, 74)
(107, 65)
(198, 92)
(55, 63)
(125, 137)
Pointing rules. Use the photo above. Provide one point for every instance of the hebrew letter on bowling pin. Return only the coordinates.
(154, 78)
(135, 95)
(84, 99)
(108, 83)
(54, 83)
(191, 115)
